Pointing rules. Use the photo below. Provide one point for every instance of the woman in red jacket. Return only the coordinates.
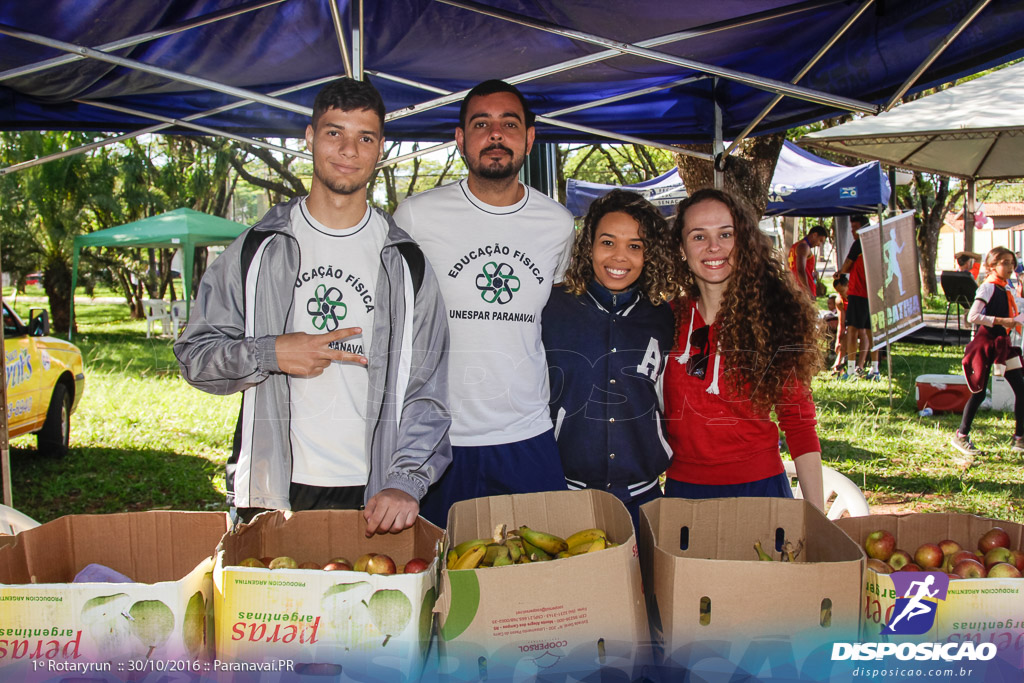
(745, 346)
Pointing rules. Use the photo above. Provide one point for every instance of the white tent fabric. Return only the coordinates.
(973, 130)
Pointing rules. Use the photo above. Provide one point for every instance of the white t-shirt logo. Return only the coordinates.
(326, 308)
(497, 283)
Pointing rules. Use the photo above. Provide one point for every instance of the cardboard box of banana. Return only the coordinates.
(569, 602)
(524, 545)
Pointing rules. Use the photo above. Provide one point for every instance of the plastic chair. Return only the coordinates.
(13, 522)
(179, 316)
(847, 496)
(156, 312)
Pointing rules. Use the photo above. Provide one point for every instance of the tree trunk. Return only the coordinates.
(57, 284)
(748, 174)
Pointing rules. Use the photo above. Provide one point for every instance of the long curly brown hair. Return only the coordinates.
(768, 327)
(659, 280)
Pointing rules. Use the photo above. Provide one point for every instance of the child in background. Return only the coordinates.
(995, 312)
(840, 284)
(607, 333)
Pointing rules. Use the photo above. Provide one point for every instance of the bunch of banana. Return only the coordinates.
(523, 546)
(790, 552)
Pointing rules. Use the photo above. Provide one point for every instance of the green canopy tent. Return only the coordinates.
(181, 228)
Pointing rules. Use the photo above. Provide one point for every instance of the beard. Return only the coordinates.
(492, 170)
(339, 186)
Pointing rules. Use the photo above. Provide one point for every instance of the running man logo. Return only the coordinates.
(918, 599)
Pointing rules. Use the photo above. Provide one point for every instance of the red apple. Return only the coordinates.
(970, 569)
(995, 537)
(335, 566)
(415, 565)
(1018, 559)
(380, 564)
(952, 576)
(1003, 570)
(283, 562)
(880, 544)
(958, 557)
(949, 546)
(360, 565)
(899, 559)
(928, 556)
(910, 568)
(309, 565)
(252, 562)
(877, 565)
(997, 555)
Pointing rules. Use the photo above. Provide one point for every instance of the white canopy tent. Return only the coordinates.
(973, 131)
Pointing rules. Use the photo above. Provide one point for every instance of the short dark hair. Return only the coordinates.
(818, 230)
(489, 88)
(860, 218)
(963, 259)
(842, 279)
(348, 94)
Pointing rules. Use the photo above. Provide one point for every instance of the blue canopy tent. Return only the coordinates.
(637, 70)
(803, 185)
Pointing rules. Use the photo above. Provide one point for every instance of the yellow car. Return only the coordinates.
(45, 380)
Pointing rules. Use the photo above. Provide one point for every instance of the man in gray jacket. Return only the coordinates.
(328, 320)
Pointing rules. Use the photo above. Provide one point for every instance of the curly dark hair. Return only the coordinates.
(768, 326)
(658, 281)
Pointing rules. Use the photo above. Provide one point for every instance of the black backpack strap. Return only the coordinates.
(414, 257)
(252, 242)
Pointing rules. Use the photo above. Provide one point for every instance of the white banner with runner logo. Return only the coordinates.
(893, 278)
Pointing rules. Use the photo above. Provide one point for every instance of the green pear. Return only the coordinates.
(104, 616)
(193, 629)
(152, 623)
(390, 611)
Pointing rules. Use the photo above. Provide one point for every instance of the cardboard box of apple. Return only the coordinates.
(993, 557)
(286, 590)
(985, 602)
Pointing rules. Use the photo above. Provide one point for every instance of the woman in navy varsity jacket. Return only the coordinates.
(607, 332)
(746, 345)
(995, 312)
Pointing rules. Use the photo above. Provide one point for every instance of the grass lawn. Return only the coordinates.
(144, 439)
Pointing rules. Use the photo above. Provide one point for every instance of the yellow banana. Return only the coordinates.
(549, 543)
(502, 561)
(451, 558)
(472, 558)
(761, 554)
(585, 536)
(494, 551)
(587, 547)
(461, 548)
(562, 555)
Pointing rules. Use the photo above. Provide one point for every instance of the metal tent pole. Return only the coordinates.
(939, 49)
(758, 82)
(154, 129)
(803, 72)
(140, 38)
(240, 93)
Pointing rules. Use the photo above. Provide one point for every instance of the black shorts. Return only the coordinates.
(857, 312)
(308, 497)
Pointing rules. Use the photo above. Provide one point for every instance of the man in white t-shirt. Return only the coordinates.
(497, 247)
(326, 318)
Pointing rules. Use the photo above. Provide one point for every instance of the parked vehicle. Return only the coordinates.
(45, 380)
